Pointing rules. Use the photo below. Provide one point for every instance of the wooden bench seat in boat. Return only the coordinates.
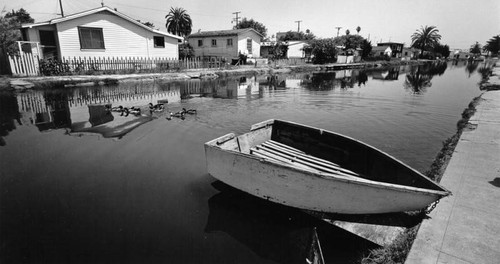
(276, 151)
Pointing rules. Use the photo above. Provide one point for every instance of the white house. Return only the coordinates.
(381, 51)
(296, 49)
(226, 43)
(100, 32)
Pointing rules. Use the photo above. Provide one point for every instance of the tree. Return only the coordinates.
(21, 16)
(476, 48)
(425, 38)
(367, 48)
(347, 32)
(178, 22)
(186, 51)
(9, 34)
(358, 29)
(323, 50)
(349, 41)
(250, 23)
(493, 45)
(444, 50)
(294, 35)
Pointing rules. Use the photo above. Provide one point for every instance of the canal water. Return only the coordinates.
(80, 183)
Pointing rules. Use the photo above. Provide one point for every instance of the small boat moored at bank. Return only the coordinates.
(319, 170)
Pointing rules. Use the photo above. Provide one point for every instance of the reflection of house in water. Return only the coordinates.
(388, 75)
(248, 87)
(84, 108)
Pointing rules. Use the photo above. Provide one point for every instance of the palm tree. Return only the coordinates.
(178, 22)
(425, 38)
(358, 29)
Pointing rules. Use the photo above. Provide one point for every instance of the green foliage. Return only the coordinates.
(367, 48)
(9, 34)
(186, 51)
(349, 41)
(250, 23)
(294, 35)
(323, 50)
(425, 38)
(476, 48)
(444, 50)
(493, 45)
(52, 67)
(279, 50)
(21, 16)
(178, 22)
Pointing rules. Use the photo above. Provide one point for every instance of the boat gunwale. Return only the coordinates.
(329, 176)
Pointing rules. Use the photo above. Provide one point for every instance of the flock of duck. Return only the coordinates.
(125, 111)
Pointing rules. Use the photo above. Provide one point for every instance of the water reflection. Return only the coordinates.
(9, 115)
(279, 233)
(419, 78)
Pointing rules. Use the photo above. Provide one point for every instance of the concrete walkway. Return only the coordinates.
(465, 227)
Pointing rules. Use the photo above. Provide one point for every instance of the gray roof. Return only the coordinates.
(222, 33)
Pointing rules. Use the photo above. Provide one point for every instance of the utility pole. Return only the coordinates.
(60, 5)
(236, 18)
(298, 26)
(338, 29)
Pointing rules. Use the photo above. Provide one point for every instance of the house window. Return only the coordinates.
(91, 38)
(214, 42)
(229, 42)
(249, 46)
(159, 42)
(200, 42)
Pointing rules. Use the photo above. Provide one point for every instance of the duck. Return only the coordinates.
(179, 114)
(156, 108)
(135, 111)
(124, 111)
(117, 109)
(189, 111)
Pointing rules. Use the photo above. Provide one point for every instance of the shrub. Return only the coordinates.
(323, 51)
(50, 67)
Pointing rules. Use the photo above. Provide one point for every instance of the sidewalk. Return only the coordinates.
(465, 227)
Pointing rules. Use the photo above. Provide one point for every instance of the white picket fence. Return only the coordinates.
(24, 64)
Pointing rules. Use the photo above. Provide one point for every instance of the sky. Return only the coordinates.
(460, 22)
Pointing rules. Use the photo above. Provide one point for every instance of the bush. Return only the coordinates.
(323, 51)
(52, 67)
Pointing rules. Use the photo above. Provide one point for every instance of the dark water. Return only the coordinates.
(80, 184)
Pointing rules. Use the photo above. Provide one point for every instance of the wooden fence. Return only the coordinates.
(24, 64)
(27, 64)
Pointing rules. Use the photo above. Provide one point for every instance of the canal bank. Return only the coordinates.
(95, 80)
(463, 228)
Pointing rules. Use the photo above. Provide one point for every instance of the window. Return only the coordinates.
(214, 42)
(47, 38)
(159, 42)
(249, 46)
(200, 42)
(91, 38)
(229, 42)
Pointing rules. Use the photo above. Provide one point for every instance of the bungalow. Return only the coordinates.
(227, 44)
(396, 48)
(100, 32)
(409, 53)
(381, 51)
(296, 49)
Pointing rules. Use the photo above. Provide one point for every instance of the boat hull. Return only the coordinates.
(295, 187)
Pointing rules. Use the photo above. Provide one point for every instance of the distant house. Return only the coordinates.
(226, 43)
(100, 32)
(396, 48)
(460, 55)
(409, 53)
(381, 51)
(296, 49)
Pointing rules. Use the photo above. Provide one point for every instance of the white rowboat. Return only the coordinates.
(319, 170)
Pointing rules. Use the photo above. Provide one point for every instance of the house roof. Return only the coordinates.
(223, 33)
(97, 10)
(381, 48)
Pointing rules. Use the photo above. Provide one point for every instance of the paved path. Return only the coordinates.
(465, 227)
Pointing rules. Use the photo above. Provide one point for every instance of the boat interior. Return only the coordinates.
(317, 150)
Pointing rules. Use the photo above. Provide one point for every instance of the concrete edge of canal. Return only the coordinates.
(23, 83)
(464, 227)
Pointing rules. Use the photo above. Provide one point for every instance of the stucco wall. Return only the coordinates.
(220, 50)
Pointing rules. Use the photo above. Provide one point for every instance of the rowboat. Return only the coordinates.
(314, 169)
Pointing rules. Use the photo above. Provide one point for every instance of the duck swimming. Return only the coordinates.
(189, 111)
(156, 108)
